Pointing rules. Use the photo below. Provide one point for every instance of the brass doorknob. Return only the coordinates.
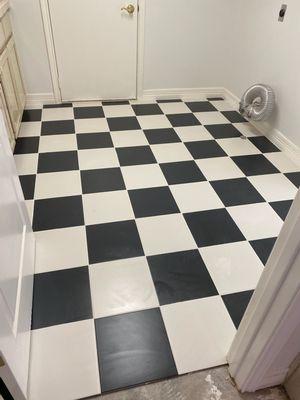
(130, 8)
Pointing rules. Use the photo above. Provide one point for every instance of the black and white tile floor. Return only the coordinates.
(153, 224)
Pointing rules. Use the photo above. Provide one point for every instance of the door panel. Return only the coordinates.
(96, 48)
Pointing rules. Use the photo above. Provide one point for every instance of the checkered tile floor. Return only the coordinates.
(153, 224)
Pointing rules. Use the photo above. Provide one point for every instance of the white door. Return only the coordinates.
(96, 48)
(17, 249)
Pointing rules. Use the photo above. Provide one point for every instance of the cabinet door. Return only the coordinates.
(16, 77)
(9, 128)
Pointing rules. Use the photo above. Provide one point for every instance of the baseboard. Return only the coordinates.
(36, 100)
(266, 129)
(186, 93)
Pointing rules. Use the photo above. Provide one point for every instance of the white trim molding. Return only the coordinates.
(182, 93)
(37, 100)
(267, 340)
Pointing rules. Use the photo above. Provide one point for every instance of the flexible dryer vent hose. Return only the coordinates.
(257, 102)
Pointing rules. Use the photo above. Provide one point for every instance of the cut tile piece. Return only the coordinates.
(236, 305)
(229, 274)
(294, 177)
(28, 129)
(59, 105)
(256, 221)
(129, 138)
(28, 184)
(169, 101)
(234, 116)
(113, 241)
(57, 184)
(26, 163)
(183, 119)
(60, 212)
(255, 165)
(58, 127)
(60, 297)
(154, 122)
(88, 112)
(200, 106)
(282, 208)
(197, 196)
(102, 180)
(211, 118)
(263, 144)
(282, 162)
(142, 176)
(152, 201)
(60, 249)
(114, 102)
(219, 168)
(193, 133)
(123, 123)
(182, 172)
(132, 349)
(213, 227)
(105, 207)
(165, 234)
(205, 149)
(159, 136)
(32, 115)
(274, 187)
(64, 362)
(147, 109)
(97, 158)
(58, 161)
(51, 143)
(57, 114)
(222, 131)
(234, 192)
(135, 155)
(180, 276)
(263, 248)
(200, 333)
(171, 152)
(27, 145)
(94, 140)
(238, 147)
(122, 286)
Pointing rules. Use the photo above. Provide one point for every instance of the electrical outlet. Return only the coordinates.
(282, 12)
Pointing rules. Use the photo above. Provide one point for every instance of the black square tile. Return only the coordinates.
(60, 105)
(32, 115)
(263, 144)
(235, 192)
(152, 201)
(58, 127)
(236, 304)
(88, 112)
(169, 101)
(60, 212)
(255, 164)
(132, 349)
(113, 241)
(60, 297)
(282, 207)
(123, 123)
(27, 145)
(147, 109)
(157, 136)
(200, 106)
(58, 161)
(182, 172)
(135, 155)
(213, 227)
(180, 276)
(187, 119)
(94, 140)
(234, 116)
(223, 131)
(102, 180)
(28, 185)
(115, 102)
(205, 149)
(294, 177)
(263, 248)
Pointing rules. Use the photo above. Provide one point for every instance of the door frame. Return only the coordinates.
(45, 11)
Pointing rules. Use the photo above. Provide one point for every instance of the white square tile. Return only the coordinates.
(238, 147)
(196, 196)
(28, 129)
(247, 129)
(107, 207)
(171, 152)
(129, 138)
(122, 286)
(26, 163)
(90, 125)
(211, 117)
(98, 158)
(143, 176)
(282, 162)
(223, 105)
(256, 221)
(64, 362)
(60, 248)
(229, 274)
(51, 143)
(124, 110)
(174, 108)
(193, 133)
(154, 121)
(57, 184)
(274, 187)
(56, 114)
(165, 234)
(219, 168)
(200, 333)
